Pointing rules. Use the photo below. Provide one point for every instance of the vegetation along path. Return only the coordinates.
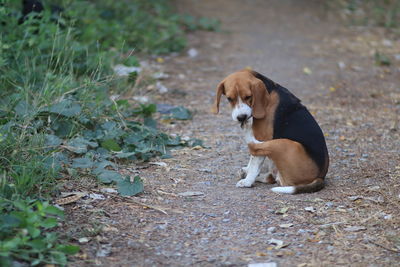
(354, 221)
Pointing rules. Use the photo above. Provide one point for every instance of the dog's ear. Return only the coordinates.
(220, 92)
(259, 100)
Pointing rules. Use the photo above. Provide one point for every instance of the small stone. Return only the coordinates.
(341, 65)
(271, 229)
(83, 240)
(226, 220)
(310, 209)
(161, 88)
(108, 190)
(388, 217)
(263, 264)
(192, 52)
(160, 75)
(286, 225)
(387, 43)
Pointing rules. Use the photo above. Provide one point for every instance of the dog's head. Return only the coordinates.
(246, 94)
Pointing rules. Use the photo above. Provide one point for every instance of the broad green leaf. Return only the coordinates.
(66, 108)
(68, 249)
(104, 163)
(126, 188)
(33, 231)
(52, 140)
(8, 220)
(54, 211)
(80, 145)
(145, 110)
(49, 223)
(11, 243)
(150, 122)
(58, 258)
(62, 128)
(110, 145)
(23, 109)
(109, 177)
(124, 155)
(83, 163)
(133, 138)
(176, 141)
(52, 164)
(195, 142)
(109, 125)
(38, 244)
(179, 113)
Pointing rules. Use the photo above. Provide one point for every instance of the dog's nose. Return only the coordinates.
(241, 118)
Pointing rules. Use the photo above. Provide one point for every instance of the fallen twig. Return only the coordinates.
(384, 247)
(134, 201)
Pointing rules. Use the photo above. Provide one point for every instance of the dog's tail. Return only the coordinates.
(314, 186)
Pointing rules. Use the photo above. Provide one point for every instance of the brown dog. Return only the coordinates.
(279, 127)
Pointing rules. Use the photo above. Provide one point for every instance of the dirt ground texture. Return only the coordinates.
(354, 221)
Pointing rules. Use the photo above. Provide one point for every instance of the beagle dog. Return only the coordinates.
(277, 127)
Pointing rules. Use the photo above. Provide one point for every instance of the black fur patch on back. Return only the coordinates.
(293, 121)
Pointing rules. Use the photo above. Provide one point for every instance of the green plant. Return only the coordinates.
(57, 115)
(385, 13)
(25, 233)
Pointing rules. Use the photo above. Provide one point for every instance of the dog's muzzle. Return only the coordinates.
(243, 119)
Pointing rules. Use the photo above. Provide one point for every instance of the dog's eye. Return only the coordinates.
(229, 99)
(247, 98)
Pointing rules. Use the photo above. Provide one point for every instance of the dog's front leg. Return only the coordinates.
(244, 170)
(253, 170)
(254, 167)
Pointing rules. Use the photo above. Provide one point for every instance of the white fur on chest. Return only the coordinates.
(248, 133)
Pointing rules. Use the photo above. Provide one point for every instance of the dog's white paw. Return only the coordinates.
(244, 183)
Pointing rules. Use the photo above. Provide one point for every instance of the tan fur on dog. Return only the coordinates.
(294, 164)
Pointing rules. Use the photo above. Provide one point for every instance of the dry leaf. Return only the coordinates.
(282, 210)
(259, 254)
(279, 243)
(310, 209)
(191, 194)
(354, 198)
(159, 163)
(307, 71)
(286, 225)
(70, 197)
(355, 228)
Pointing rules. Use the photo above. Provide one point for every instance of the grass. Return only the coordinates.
(382, 13)
(56, 113)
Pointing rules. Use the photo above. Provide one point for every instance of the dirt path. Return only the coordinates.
(354, 221)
